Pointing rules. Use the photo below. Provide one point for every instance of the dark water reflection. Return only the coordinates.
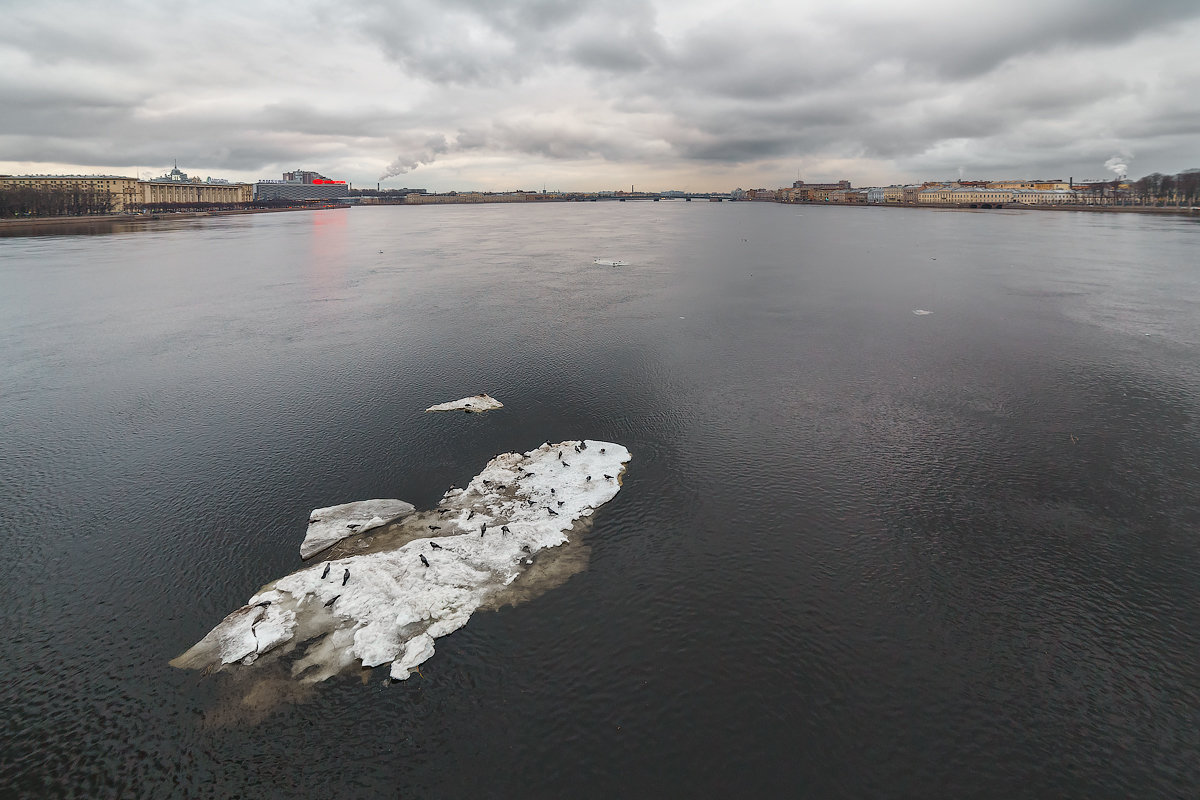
(858, 553)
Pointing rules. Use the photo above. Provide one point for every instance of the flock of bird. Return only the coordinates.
(483, 528)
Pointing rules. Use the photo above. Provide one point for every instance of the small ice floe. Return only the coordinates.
(328, 526)
(387, 605)
(920, 312)
(611, 262)
(480, 402)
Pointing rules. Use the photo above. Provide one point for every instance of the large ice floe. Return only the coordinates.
(328, 526)
(383, 597)
(472, 405)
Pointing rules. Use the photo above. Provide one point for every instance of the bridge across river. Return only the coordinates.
(655, 197)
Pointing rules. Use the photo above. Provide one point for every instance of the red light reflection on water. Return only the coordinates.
(327, 251)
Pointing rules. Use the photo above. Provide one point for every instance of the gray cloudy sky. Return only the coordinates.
(591, 94)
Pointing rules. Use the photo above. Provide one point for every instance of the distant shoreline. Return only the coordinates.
(1186, 211)
(42, 222)
(49, 222)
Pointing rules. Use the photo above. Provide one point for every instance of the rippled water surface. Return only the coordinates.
(859, 552)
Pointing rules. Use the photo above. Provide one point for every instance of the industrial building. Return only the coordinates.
(301, 185)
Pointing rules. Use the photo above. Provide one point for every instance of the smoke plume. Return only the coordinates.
(1118, 165)
(433, 147)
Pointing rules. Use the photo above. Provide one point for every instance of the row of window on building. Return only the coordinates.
(960, 194)
(965, 193)
(128, 194)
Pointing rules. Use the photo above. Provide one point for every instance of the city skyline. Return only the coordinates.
(696, 96)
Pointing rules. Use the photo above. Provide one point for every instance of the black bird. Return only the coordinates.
(565, 464)
(329, 602)
(471, 514)
(311, 521)
(525, 549)
(583, 445)
(326, 572)
(354, 527)
(345, 577)
(560, 503)
(553, 513)
(504, 529)
(589, 477)
(552, 491)
(483, 529)
(424, 560)
(502, 487)
(608, 477)
(443, 511)
(601, 449)
(264, 604)
(530, 502)
(435, 527)
(435, 545)
(576, 448)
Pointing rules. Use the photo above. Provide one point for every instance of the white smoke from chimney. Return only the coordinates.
(435, 146)
(1118, 165)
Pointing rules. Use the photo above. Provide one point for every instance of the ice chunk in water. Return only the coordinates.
(480, 402)
(327, 526)
(395, 602)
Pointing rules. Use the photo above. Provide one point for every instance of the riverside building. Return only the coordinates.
(301, 185)
(123, 192)
(177, 188)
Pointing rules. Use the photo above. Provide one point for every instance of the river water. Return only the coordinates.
(858, 552)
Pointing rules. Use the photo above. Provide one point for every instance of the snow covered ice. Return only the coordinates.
(610, 262)
(480, 402)
(328, 526)
(388, 603)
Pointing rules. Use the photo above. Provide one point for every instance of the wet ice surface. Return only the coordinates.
(480, 402)
(389, 603)
(328, 526)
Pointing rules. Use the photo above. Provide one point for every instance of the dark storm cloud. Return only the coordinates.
(554, 140)
(450, 86)
(792, 87)
(606, 54)
(736, 149)
(22, 100)
(52, 40)
(972, 43)
(311, 120)
(469, 42)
